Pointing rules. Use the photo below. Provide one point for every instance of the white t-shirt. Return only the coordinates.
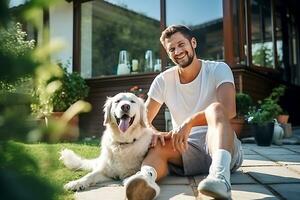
(183, 100)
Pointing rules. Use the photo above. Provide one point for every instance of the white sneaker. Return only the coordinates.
(141, 187)
(215, 186)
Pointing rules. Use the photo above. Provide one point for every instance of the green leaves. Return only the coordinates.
(73, 88)
(268, 109)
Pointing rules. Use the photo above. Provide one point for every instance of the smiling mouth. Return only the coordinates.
(124, 122)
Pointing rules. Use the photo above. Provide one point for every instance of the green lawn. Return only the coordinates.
(39, 165)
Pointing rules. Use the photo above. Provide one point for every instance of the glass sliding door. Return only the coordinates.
(119, 37)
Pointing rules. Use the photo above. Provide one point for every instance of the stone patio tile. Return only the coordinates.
(288, 191)
(248, 151)
(248, 146)
(174, 180)
(273, 174)
(239, 177)
(250, 192)
(286, 159)
(295, 168)
(94, 193)
(246, 192)
(295, 148)
(176, 192)
(256, 160)
(274, 151)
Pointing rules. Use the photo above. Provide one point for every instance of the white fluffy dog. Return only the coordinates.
(124, 144)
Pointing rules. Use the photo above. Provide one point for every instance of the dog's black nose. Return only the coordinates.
(125, 107)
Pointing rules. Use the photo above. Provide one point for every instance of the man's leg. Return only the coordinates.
(220, 141)
(155, 166)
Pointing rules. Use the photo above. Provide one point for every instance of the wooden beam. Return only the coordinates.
(228, 31)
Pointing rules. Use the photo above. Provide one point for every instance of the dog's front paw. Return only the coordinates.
(75, 185)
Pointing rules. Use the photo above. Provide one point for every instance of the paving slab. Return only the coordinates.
(295, 168)
(108, 192)
(250, 192)
(295, 148)
(288, 191)
(248, 152)
(291, 159)
(273, 174)
(176, 192)
(274, 151)
(246, 192)
(239, 177)
(175, 180)
(257, 160)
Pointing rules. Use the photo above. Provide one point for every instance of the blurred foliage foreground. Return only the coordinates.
(26, 77)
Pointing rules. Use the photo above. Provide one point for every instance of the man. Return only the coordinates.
(201, 98)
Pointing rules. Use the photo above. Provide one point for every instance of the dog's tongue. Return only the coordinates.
(124, 124)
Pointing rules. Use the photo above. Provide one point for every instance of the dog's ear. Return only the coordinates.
(107, 108)
(143, 118)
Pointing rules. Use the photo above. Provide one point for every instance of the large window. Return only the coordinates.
(262, 43)
(205, 18)
(120, 37)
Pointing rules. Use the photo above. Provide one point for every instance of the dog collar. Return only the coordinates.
(123, 143)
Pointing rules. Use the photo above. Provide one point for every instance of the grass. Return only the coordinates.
(42, 162)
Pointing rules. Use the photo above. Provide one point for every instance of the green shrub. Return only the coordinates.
(243, 103)
(14, 41)
(73, 88)
(268, 109)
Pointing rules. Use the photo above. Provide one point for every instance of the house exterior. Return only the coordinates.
(258, 39)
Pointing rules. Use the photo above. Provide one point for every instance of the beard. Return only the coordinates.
(184, 63)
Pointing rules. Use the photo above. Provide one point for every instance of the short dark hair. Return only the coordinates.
(171, 30)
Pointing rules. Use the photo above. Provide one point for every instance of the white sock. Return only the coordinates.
(221, 160)
(150, 171)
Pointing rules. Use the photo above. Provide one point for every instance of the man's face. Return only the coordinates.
(180, 50)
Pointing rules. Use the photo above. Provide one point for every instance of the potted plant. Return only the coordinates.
(243, 103)
(283, 116)
(72, 89)
(262, 117)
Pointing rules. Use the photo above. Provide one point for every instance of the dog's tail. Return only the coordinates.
(75, 162)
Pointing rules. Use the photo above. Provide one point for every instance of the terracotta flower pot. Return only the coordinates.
(70, 132)
(237, 125)
(282, 119)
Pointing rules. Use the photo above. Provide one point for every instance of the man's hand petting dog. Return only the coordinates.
(177, 136)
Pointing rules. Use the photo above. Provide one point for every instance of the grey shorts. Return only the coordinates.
(197, 160)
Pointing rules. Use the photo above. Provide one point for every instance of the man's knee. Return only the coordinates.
(215, 111)
(161, 151)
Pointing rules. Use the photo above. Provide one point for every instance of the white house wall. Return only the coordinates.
(86, 39)
(61, 28)
(14, 3)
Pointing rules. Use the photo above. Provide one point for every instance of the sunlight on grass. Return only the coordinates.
(44, 162)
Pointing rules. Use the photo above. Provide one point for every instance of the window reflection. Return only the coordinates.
(112, 26)
(205, 18)
(262, 44)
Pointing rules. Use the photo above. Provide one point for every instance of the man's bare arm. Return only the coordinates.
(152, 108)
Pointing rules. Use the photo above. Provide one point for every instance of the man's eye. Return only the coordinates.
(171, 50)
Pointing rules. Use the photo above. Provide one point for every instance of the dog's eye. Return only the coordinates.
(118, 101)
(132, 101)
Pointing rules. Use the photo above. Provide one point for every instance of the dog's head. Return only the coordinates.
(124, 110)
